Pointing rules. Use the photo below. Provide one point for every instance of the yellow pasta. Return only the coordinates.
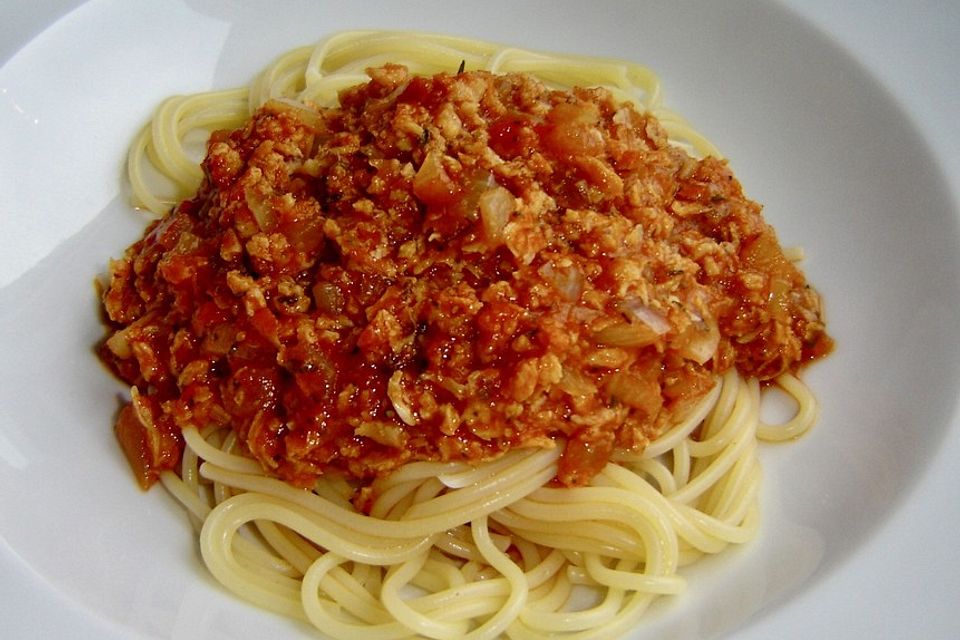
(450, 550)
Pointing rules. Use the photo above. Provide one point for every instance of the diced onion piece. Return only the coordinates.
(567, 280)
(327, 297)
(119, 345)
(778, 303)
(432, 184)
(305, 114)
(386, 433)
(626, 334)
(640, 312)
(608, 358)
(636, 391)
(496, 205)
(398, 398)
(262, 212)
(573, 129)
(138, 442)
(306, 233)
(702, 342)
(145, 417)
(794, 254)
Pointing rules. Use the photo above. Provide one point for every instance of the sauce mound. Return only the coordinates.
(445, 268)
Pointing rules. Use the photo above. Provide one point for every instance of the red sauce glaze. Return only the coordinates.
(443, 269)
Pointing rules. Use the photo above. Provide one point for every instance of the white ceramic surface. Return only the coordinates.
(844, 142)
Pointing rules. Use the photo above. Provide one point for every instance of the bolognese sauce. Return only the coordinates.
(446, 268)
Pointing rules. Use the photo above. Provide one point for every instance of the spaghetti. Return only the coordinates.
(549, 533)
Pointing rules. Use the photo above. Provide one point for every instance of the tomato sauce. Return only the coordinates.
(446, 268)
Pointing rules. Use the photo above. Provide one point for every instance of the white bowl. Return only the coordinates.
(841, 169)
